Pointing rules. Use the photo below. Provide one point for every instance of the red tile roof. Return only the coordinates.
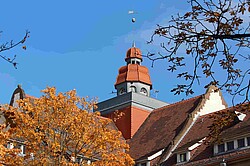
(133, 53)
(133, 73)
(160, 128)
(204, 153)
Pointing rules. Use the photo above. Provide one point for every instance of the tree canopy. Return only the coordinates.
(215, 33)
(61, 129)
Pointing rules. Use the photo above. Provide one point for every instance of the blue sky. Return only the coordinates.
(81, 44)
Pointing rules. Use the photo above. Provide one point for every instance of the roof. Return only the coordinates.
(15, 95)
(133, 52)
(204, 153)
(243, 127)
(160, 128)
(135, 73)
(233, 157)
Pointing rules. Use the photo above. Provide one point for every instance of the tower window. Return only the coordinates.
(133, 89)
(144, 91)
(122, 91)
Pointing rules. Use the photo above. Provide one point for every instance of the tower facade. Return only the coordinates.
(133, 101)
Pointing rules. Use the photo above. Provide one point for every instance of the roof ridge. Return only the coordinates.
(170, 105)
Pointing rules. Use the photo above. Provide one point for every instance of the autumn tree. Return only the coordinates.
(61, 129)
(10, 45)
(215, 34)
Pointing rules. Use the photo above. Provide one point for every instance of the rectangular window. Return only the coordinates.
(143, 164)
(230, 145)
(221, 148)
(183, 157)
(248, 141)
(10, 145)
(241, 143)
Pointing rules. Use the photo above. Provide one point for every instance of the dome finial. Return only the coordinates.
(133, 45)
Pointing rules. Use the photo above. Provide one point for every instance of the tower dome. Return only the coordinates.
(133, 52)
(133, 77)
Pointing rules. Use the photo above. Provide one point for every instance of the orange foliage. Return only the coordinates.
(60, 129)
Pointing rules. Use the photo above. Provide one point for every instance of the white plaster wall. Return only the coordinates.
(138, 85)
(212, 104)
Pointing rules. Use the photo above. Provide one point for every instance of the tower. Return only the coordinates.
(133, 77)
(133, 101)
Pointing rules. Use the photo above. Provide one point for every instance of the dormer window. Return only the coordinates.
(230, 145)
(183, 157)
(241, 143)
(221, 148)
(236, 144)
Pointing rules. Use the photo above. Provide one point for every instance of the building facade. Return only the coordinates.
(173, 134)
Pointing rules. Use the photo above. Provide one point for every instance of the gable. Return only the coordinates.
(213, 101)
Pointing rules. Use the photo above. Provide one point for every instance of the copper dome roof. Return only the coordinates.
(133, 53)
(133, 73)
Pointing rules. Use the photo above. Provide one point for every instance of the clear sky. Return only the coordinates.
(81, 44)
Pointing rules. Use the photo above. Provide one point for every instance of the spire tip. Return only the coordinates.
(133, 45)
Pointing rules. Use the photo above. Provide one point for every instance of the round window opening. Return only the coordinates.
(144, 91)
(122, 91)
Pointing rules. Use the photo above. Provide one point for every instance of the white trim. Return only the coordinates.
(196, 144)
(240, 115)
(155, 155)
(188, 156)
(185, 133)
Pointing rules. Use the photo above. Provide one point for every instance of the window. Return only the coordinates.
(133, 89)
(10, 145)
(143, 164)
(23, 149)
(121, 91)
(144, 91)
(221, 148)
(248, 141)
(138, 63)
(241, 143)
(183, 157)
(230, 145)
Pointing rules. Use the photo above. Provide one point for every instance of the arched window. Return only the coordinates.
(133, 89)
(122, 91)
(144, 91)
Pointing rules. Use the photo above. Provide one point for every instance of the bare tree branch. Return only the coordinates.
(216, 34)
(10, 45)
